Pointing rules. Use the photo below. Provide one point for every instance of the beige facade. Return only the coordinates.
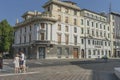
(64, 30)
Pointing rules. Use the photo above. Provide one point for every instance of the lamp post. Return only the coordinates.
(1, 55)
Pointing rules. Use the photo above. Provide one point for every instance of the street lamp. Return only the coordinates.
(1, 55)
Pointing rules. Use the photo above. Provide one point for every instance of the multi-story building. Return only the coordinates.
(95, 35)
(54, 33)
(63, 30)
(115, 33)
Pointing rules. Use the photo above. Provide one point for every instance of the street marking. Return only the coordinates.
(13, 74)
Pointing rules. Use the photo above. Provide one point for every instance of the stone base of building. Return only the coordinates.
(49, 51)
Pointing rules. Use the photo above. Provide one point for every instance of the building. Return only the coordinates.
(95, 35)
(54, 33)
(115, 32)
(63, 30)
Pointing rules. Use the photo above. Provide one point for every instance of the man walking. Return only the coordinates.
(22, 61)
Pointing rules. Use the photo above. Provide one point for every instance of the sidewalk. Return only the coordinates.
(6, 69)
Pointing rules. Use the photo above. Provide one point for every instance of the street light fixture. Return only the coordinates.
(1, 55)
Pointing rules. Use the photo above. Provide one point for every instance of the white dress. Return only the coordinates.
(16, 62)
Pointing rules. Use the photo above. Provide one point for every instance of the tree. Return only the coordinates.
(6, 36)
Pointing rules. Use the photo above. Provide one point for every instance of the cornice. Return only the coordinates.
(33, 19)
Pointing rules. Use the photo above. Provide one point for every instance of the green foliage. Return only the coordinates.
(6, 36)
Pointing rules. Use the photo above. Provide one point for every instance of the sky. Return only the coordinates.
(13, 9)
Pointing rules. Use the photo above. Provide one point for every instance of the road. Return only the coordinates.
(64, 70)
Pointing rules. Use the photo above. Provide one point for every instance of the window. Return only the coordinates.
(30, 28)
(93, 42)
(75, 40)
(75, 22)
(42, 36)
(66, 10)
(92, 24)
(59, 27)
(89, 42)
(97, 33)
(104, 34)
(48, 8)
(101, 42)
(59, 38)
(82, 31)
(66, 28)
(109, 43)
(75, 12)
(25, 29)
(102, 52)
(29, 37)
(42, 26)
(105, 43)
(87, 14)
(75, 30)
(108, 35)
(101, 34)
(82, 41)
(94, 52)
(106, 53)
(59, 17)
(66, 19)
(96, 17)
(59, 8)
(100, 26)
(88, 31)
(88, 23)
(96, 25)
(20, 39)
(67, 52)
(89, 52)
(104, 27)
(98, 52)
(82, 22)
(66, 39)
(108, 28)
(21, 31)
(59, 52)
(93, 33)
(24, 39)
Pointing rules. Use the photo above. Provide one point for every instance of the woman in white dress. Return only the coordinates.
(16, 62)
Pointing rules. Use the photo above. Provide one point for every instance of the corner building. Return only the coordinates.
(63, 30)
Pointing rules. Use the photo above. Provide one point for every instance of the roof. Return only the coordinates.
(115, 13)
(63, 3)
(70, 2)
(94, 12)
(31, 13)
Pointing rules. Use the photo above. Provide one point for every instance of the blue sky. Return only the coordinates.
(13, 9)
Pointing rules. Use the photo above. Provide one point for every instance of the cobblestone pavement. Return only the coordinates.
(53, 73)
(69, 70)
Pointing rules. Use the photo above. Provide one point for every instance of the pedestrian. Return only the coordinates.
(16, 63)
(22, 62)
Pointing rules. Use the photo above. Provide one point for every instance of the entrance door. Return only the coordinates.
(75, 53)
(42, 52)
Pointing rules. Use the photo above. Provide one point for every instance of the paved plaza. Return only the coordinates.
(62, 70)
